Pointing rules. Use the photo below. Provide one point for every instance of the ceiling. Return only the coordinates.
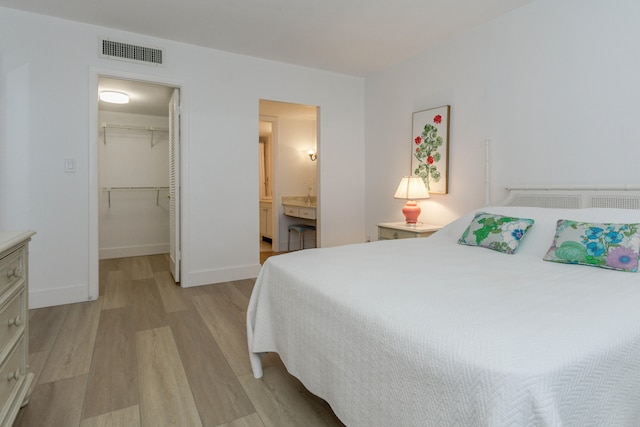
(354, 37)
(144, 98)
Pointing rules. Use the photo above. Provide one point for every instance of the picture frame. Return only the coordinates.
(430, 148)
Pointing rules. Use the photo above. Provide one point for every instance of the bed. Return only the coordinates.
(430, 332)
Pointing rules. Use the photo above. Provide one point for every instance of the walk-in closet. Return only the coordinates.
(133, 179)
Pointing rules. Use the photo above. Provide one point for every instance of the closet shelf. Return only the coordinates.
(156, 189)
(151, 129)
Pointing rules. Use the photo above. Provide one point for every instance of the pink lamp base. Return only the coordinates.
(411, 212)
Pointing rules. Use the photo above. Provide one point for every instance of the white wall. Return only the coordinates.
(133, 222)
(48, 79)
(554, 85)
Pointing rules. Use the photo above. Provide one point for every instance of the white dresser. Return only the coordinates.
(14, 327)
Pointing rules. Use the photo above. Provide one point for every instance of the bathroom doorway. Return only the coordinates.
(288, 135)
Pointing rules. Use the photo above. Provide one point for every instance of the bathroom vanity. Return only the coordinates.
(300, 206)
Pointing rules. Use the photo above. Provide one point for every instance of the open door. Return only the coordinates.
(174, 185)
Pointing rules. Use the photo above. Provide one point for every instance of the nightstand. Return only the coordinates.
(400, 230)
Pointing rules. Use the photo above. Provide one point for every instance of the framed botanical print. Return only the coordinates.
(430, 148)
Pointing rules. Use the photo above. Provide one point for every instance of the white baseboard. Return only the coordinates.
(59, 296)
(207, 277)
(80, 293)
(127, 251)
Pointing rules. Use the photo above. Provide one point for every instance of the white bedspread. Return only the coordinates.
(426, 332)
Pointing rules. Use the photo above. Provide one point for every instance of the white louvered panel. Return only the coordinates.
(174, 185)
(615, 202)
(618, 197)
(172, 196)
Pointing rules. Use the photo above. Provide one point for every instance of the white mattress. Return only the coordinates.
(426, 332)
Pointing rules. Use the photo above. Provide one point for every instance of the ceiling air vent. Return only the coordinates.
(130, 52)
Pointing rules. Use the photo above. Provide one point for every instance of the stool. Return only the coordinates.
(300, 228)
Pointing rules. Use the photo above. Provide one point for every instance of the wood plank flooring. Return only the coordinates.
(149, 353)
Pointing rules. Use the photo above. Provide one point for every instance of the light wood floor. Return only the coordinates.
(149, 353)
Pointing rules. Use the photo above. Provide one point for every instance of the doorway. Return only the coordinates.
(266, 152)
(287, 134)
(137, 168)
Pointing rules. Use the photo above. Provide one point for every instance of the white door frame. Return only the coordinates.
(275, 192)
(93, 249)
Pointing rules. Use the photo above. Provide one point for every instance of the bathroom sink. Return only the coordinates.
(299, 201)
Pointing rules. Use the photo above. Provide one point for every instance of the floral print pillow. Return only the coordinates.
(497, 232)
(613, 246)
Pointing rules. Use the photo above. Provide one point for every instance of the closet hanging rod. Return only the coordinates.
(134, 188)
(133, 127)
(156, 189)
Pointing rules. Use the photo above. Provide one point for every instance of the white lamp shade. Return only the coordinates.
(411, 188)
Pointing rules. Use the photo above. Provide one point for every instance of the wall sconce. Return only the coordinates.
(312, 155)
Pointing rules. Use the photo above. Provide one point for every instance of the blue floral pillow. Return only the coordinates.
(613, 246)
(497, 232)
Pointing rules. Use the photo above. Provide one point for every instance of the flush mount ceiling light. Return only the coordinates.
(114, 97)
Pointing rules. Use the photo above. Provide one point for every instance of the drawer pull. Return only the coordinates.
(15, 321)
(14, 272)
(14, 375)
(395, 235)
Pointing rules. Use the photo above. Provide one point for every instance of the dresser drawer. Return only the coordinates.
(390, 234)
(12, 318)
(308, 213)
(291, 211)
(12, 372)
(15, 382)
(12, 268)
